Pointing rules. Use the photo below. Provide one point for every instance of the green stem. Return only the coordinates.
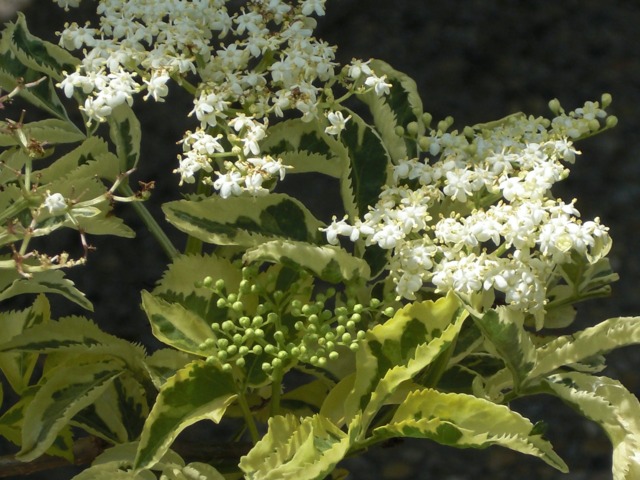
(151, 223)
(276, 391)
(248, 418)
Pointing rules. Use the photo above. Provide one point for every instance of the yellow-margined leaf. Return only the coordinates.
(199, 391)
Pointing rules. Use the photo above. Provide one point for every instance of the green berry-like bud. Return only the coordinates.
(245, 286)
(257, 321)
(228, 325)
(340, 329)
(424, 143)
(266, 367)
(207, 282)
(237, 339)
(555, 107)
(232, 297)
(240, 362)
(245, 322)
(333, 355)
(313, 360)
(356, 317)
(243, 350)
(211, 360)
(273, 317)
(412, 128)
(220, 285)
(223, 355)
(227, 368)
(330, 346)
(346, 338)
(223, 343)
(374, 303)
(361, 334)
(606, 100)
(351, 325)
(322, 361)
(232, 350)
(221, 303)
(427, 118)
(249, 333)
(594, 125)
(389, 311)
(354, 347)
(259, 333)
(611, 121)
(358, 308)
(270, 349)
(276, 363)
(237, 306)
(257, 349)
(295, 352)
(278, 295)
(399, 131)
(278, 335)
(283, 354)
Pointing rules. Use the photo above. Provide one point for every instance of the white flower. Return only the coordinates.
(338, 123)
(157, 86)
(228, 184)
(379, 85)
(358, 67)
(311, 6)
(55, 203)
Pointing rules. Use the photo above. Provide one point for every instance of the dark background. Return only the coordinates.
(476, 60)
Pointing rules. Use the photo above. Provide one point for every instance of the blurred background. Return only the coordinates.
(476, 60)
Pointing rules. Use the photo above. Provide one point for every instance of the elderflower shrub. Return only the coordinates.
(423, 308)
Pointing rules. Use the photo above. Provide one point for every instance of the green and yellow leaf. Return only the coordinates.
(197, 392)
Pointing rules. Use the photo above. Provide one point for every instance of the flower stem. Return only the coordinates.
(151, 223)
(248, 418)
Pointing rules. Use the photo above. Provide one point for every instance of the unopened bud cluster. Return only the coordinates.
(278, 328)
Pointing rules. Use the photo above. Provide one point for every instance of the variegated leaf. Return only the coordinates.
(396, 351)
(366, 165)
(17, 367)
(199, 391)
(608, 403)
(245, 221)
(178, 327)
(599, 339)
(125, 132)
(64, 393)
(49, 281)
(504, 330)
(399, 108)
(36, 53)
(75, 335)
(306, 449)
(51, 131)
(329, 263)
(465, 421)
(164, 363)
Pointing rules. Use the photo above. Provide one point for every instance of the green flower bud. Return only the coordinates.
(237, 340)
(555, 107)
(223, 343)
(270, 349)
(354, 347)
(219, 285)
(276, 363)
(257, 349)
(606, 100)
(237, 306)
(223, 355)
(399, 131)
(232, 350)
(240, 362)
(243, 350)
(313, 360)
(245, 286)
(611, 121)
(346, 338)
(227, 368)
(412, 128)
(389, 311)
(295, 352)
(333, 355)
(266, 367)
(322, 361)
(221, 303)
(424, 143)
(259, 333)
(257, 321)
(356, 317)
(278, 335)
(282, 354)
(207, 282)
(244, 321)
(374, 303)
(232, 297)
(427, 118)
(228, 325)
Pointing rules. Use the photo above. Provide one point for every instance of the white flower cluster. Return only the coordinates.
(242, 61)
(475, 215)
